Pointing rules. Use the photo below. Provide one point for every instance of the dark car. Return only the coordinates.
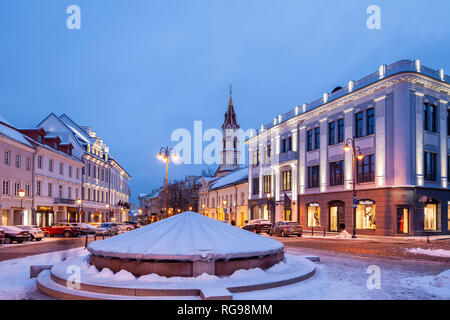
(258, 226)
(15, 234)
(286, 228)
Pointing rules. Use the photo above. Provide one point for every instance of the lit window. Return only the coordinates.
(287, 180)
(313, 215)
(429, 217)
(365, 215)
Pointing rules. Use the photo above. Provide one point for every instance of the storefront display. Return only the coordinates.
(429, 213)
(365, 215)
(313, 210)
(403, 220)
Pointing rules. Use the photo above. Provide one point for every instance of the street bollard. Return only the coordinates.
(86, 242)
(95, 236)
(103, 235)
(324, 232)
(312, 231)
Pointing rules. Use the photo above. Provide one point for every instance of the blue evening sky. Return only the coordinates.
(139, 69)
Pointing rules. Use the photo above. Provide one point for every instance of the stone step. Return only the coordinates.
(46, 285)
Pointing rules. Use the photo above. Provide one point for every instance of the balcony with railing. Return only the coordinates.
(64, 201)
(288, 156)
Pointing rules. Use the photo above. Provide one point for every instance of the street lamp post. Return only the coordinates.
(79, 209)
(21, 195)
(355, 157)
(164, 155)
(224, 208)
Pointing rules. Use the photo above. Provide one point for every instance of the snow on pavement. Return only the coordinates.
(338, 276)
(15, 282)
(430, 252)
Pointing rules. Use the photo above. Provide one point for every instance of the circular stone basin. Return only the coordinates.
(187, 245)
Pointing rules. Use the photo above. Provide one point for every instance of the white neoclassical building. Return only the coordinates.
(56, 179)
(105, 191)
(398, 119)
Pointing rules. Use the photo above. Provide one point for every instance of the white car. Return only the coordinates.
(123, 227)
(35, 232)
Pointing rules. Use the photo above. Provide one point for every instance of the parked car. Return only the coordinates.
(35, 232)
(286, 228)
(84, 228)
(124, 227)
(133, 224)
(2, 236)
(107, 228)
(13, 233)
(62, 229)
(258, 226)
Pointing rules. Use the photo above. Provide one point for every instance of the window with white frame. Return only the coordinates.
(18, 161)
(7, 157)
(5, 187)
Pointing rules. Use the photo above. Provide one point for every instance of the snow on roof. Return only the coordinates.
(76, 129)
(232, 178)
(14, 134)
(187, 236)
(4, 120)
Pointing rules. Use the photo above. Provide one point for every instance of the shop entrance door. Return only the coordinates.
(403, 220)
(337, 216)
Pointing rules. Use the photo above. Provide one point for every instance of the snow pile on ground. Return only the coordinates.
(15, 282)
(430, 252)
(344, 235)
(442, 280)
(437, 286)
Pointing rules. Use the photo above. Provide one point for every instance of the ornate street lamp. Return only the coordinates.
(21, 195)
(79, 208)
(164, 155)
(356, 155)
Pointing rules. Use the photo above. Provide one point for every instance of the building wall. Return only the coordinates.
(236, 197)
(10, 206)
(63, 206)
(397, 145)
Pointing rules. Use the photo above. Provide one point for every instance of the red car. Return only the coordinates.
(62, 229)
(2, 236)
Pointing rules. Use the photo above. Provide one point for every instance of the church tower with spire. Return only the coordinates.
(230, 147)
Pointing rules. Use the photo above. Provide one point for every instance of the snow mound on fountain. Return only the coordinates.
(187, 236)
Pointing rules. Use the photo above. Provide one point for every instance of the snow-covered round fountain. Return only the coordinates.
(187, 255)
(188, 244)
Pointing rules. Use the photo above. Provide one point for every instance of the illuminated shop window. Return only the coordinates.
(313, 215)
(429, 215)
(365, 215)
